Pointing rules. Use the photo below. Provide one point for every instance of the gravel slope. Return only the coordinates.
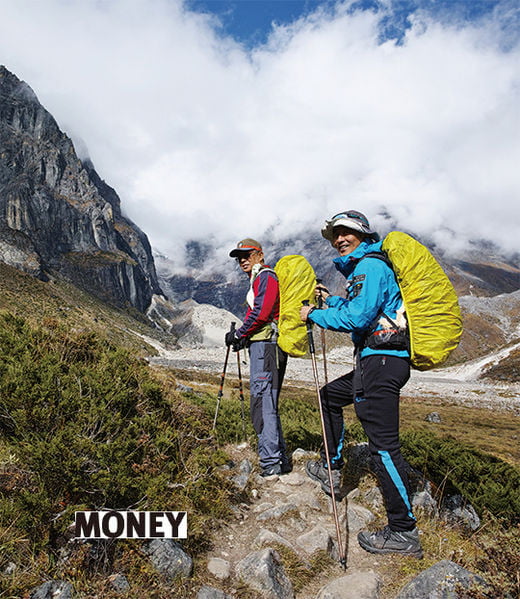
(458, 383)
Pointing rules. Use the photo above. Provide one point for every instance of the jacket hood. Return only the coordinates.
(346, 264)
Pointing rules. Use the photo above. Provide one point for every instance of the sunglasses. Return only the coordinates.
(246, 255)
(351, 215)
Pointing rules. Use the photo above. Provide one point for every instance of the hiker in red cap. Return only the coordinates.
(267, 360)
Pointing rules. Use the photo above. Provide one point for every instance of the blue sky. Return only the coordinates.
(219, 120)
(250, 21)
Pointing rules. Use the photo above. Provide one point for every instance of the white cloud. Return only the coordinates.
(202, 138)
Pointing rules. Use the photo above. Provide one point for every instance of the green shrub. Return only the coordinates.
(300, 418)
(488, 483)
(89, 428)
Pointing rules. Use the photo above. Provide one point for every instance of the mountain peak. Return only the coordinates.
(57, 216)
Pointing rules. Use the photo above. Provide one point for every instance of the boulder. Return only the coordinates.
(276, 512)
(433, 417)
(267, 537)
(360, 585)
(456, 510)
(119, 583)
(207, 592)
(220, 568)
(169, 558)
(241, 479)
(358, 517)
(316, 539)
(439, 582)
(425, 502)
(263, 572)
(53, 589)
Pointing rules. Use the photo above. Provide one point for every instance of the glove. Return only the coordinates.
(230, 338)
(239, 344)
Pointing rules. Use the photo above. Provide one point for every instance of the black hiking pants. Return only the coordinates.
(374, 388)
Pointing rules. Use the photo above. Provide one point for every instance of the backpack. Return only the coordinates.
(431, 303)
(297, 282)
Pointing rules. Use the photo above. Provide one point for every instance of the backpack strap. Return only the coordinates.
(396, 338)
(380, 256)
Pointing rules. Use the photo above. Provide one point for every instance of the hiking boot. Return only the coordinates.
(405, 542)
(273, 470)
(286, 465)
(319, 473)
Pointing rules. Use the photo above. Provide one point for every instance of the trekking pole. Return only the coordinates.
(323, 344)
(222, 377)
(241, 391)
(312, 351)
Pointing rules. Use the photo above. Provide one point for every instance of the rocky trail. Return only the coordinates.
(283, 543)
(290, 514)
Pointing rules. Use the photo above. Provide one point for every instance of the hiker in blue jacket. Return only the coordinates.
(373, 312)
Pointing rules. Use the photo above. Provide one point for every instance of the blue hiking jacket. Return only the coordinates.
(371, 291)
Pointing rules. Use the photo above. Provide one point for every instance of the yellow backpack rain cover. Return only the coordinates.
(432, 307)
(297, 282)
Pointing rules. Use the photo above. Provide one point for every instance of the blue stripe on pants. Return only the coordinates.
(396, 479)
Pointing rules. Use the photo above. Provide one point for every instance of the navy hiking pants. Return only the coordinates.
(374, 388)
(266, 373)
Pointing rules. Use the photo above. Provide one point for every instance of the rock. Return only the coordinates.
(242, 478)
(53, 589)
(316, 539)
(240, 481)
(262, 507)
(294, 479)
(17, 251)
(245, 467)
(220, 568)
(425, 502)
(361, 585)
(183, 388)
(207, 592)
(418, 482)
(266, 537)
(276, 512)
(263, 571)
(119, 583)
(169, 558)
(305, 499)
(299, 455)
(354, 494)
(457, 511)
(433, 417)
(439, 582)
(374, 498)
(358, 517)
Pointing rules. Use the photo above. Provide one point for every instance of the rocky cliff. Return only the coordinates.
(57, 217)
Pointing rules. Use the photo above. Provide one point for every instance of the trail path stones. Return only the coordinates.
(291, 512)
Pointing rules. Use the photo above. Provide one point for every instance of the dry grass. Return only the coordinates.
(62, 302)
